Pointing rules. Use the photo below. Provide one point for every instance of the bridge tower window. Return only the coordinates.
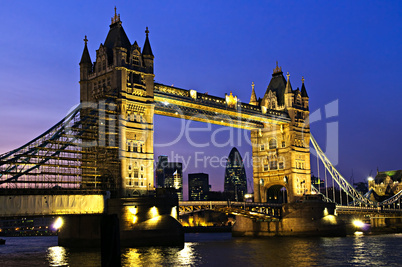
(273, 164)
(281, 165)
(272, 143)
(266, 168)
(135, 147)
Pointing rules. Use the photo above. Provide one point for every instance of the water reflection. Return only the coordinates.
(157, 256)
(57, 256)
(221, 249)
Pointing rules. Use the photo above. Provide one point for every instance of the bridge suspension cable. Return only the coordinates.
(343, 184)
(339, 179)
(63, 157)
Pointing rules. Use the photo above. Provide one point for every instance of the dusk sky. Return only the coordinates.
(347, 51)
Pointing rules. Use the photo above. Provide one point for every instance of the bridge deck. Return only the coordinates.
(191, 105)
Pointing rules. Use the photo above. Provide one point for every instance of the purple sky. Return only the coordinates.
(349, 51)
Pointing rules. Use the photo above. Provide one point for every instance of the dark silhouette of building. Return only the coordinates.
(170, 175)
(198, 186)
(235, 176)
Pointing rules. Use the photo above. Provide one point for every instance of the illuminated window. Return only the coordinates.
(273, 165)
(135, 147)
(129, 146)
(281, 165)
(272, 143)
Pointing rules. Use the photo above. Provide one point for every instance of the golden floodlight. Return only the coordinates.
(58, 223)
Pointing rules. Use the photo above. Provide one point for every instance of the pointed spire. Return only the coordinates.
(303, 89)
(147, 51)
(253, 98)
(85, 54)
(288, 88)
(277, 68)
(116, 17)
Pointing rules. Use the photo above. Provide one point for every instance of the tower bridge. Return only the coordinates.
(106, 142)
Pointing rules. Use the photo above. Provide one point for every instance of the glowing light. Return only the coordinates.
(248, 196)
(358, 223)
(326, 212)
(58, 223)
(154, 221)
(166, 103)
(173, 213)
(133, 210)
(135, 219)
(154, 212)
(358, 233)
(331, 219)
(370, 179)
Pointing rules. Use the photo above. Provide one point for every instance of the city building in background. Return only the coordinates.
(235, 177)
(170, 175)
(198, 186)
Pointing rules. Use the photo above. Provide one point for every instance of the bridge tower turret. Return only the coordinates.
(281, 151)
(120, 84)
(85, 70)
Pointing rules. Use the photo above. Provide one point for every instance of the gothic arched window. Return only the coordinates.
(272, 143)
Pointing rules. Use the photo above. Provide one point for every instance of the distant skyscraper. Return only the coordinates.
(170, 175)
(160, 177)
(198, 186)
(235, 176)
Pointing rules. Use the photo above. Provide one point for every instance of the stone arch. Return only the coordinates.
(277, 194)
(136, 193)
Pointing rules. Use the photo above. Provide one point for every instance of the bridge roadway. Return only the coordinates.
(36, 202)
(42, 202)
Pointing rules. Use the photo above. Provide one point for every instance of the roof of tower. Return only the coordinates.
(86, 58)
(277, 85)
(147, 51)
(303, 90)
(116, 36)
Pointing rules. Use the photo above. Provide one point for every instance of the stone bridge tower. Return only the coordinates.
(120, 85)
(281, 154)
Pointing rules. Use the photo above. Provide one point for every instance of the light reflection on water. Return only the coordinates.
(218, 249)
(161, 256)
(57, 256)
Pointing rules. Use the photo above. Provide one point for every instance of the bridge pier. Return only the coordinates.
(142, 221)
(298, 219)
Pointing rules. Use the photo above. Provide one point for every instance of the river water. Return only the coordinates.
(218, 249)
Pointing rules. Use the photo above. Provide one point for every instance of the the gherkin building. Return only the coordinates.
(235, 177)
